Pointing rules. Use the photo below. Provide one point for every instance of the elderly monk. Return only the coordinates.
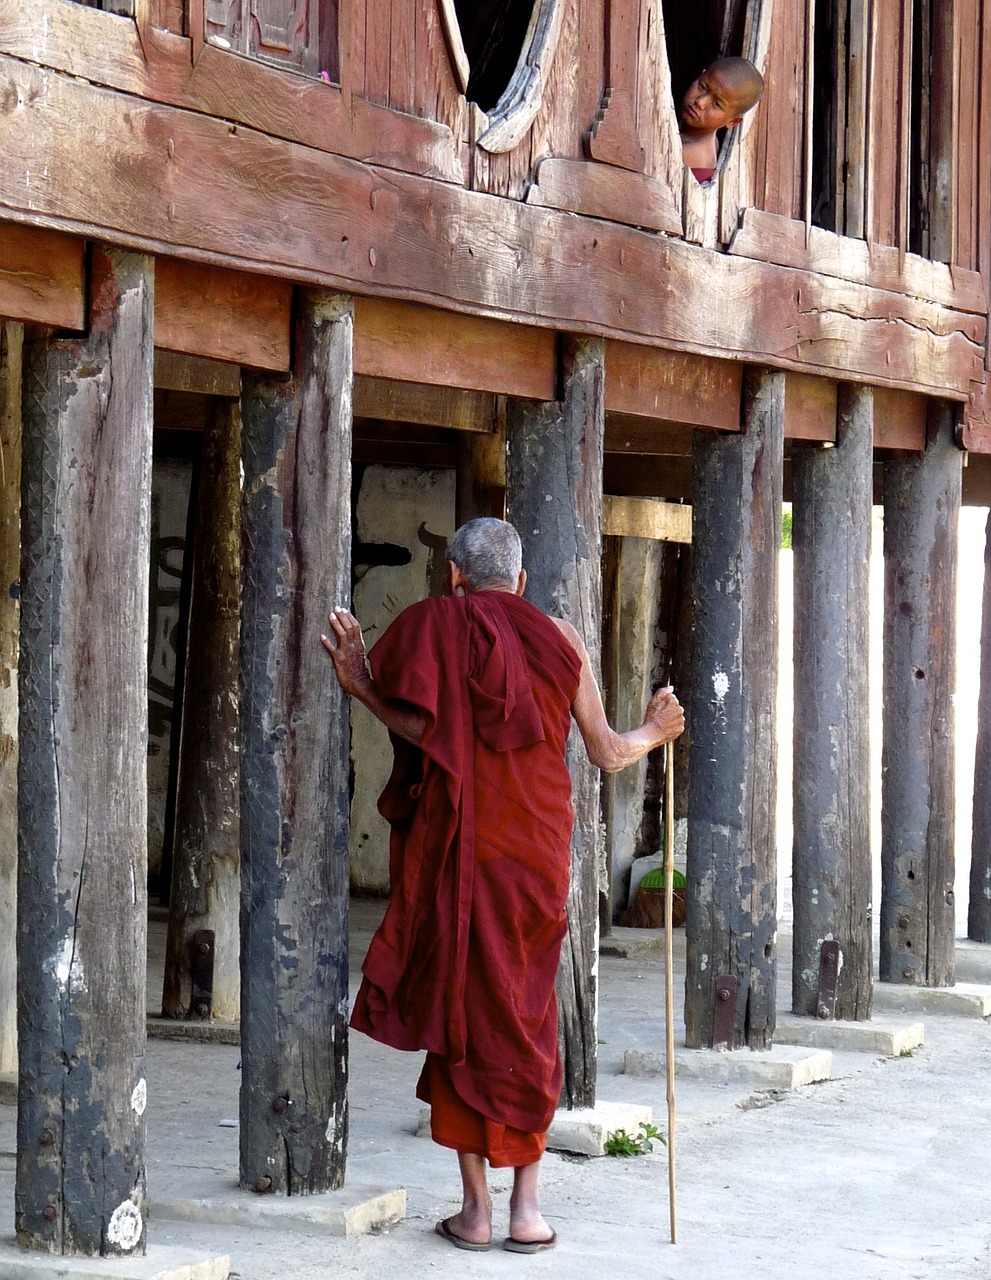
(477, 689)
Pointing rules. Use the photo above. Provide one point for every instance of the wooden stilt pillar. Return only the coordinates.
(296, 441)
(82, 896)
(833, 493)
(481, 487)
(921, 518)
(736, 536)
(979, 906)
(554, 498)
(10, 559)
(206, 859)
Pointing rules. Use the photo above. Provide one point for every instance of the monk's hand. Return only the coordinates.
(665, 715)
(347, 650)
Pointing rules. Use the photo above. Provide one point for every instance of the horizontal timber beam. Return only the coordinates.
(673, 386)
(176, 372)
(386, 400)
(899, 419)
(646, 518)
(160, 175)
(225, 315)
(407, 343)
(42, 277)
(810, 408)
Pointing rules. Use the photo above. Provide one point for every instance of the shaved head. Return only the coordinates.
(742, 77)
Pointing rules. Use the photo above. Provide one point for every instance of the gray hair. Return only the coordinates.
(488, 552)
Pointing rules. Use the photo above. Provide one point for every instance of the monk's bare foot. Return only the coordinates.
(528, 1226)
(473, 1223)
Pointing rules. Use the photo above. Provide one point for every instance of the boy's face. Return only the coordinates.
(711, 103)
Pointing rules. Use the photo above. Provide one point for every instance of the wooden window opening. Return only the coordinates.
(840, 45)
(493, 32)
(297, 34)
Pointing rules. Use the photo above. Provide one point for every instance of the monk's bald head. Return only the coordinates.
(742, 78)
(488, 552)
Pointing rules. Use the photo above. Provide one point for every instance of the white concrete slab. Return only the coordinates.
(159, 1263)
(352, 1211)
(884, 1037)
(629, 943)
(782, 1067)
(966, 1000)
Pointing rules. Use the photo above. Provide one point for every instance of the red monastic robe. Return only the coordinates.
(465, 960)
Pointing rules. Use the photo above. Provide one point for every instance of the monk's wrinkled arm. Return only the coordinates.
(608, 750)
(354, 677)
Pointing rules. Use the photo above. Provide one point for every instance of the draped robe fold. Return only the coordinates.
(465, 960)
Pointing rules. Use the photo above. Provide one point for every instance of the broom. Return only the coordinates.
(649, 905)
(669, 978)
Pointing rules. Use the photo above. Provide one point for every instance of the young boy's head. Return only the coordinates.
(720, 97)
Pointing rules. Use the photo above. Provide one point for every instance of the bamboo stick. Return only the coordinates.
(669, 975)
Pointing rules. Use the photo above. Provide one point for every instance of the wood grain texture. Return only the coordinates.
(205, 892)
(900, 420)
(303, 214)
(603, 191)
(85, 42)
(441, 348)
(767, 237)
(736, 535)
(42, 277)
(481, 481)
(673, 386)
(810, 408)
(646, 518)
(629, 434)
(921, 510)
(82, 898)
(831, 858)
(196, 375)
(223, 315)
(296, 448)
(556, 449)
(388, 400)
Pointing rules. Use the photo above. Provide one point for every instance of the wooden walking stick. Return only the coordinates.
(669, 974)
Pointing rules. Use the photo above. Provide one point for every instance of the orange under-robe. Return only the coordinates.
(465, 960)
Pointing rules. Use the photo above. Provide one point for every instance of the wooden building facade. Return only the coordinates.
(323, 231)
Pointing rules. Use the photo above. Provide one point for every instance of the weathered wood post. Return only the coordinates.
(296, 441)
(481, 486)
(921, 518)
(11, 336)
(206, 858)
(554, 498)
(736, 537)
(82, 895)
(831, 537)
(979, 905)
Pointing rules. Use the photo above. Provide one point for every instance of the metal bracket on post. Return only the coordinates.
(724, 1015)
(829, 972)
(201, 971)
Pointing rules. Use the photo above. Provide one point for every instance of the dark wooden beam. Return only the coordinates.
(301, 214)
(82, 899)
(556, 449)
(921, 509)
(388, 400)
(736, 537)
(205, 892)
(195, 374)
(296, 444)
(42, 277)
(627, 433)
(831, 861)
(224, 315)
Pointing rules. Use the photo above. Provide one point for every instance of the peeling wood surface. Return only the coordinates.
(831, 861)
(82, 897)
(223, 315)
(302, 214)
(42, 277)
(296, 444)
(205, 890)
(736, 535)
(555, 450)
(921, 510)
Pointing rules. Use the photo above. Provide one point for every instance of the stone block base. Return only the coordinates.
(158, 1264)
(783, 1067)
(353, 1211)
(965, 1000)
(884, 1038)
